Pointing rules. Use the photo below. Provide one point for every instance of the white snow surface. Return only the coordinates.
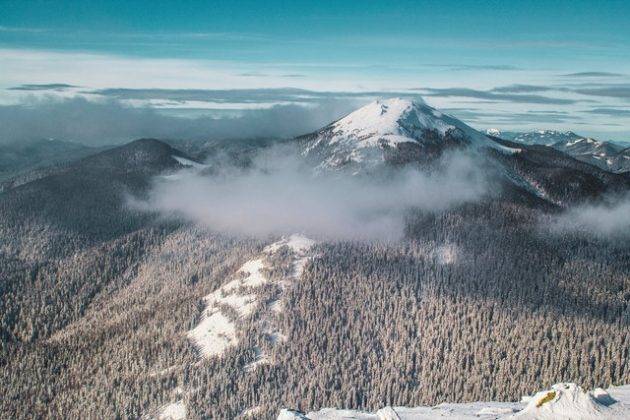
(566, 401)
(396, 120)
(188, 162)
(389, 119)
(216, 332)
(173, 411)
(391, 122)
(563, 401)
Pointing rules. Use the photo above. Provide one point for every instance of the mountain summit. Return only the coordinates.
(395, 130)
(401, 131)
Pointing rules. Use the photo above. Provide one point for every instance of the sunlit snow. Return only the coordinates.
(564, 401)
(216, 332)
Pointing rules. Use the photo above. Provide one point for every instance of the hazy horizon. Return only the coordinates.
(499, 65)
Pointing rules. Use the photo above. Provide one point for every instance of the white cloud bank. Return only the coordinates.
(110, 122)
(281, 196)
(609, 219)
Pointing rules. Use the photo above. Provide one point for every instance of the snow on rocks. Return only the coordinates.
(217, 330)
(563, 401)
(567, 401)
(493, 132)
(290, 415)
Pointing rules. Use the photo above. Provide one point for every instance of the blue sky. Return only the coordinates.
(569, 60)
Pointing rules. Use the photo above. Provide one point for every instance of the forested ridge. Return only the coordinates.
(480, 302)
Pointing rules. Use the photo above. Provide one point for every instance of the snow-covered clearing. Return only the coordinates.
(217, 330)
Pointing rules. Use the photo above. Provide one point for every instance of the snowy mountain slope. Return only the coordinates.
(563, 401)
(603, 154)
(394, 130)
(621, 162)
(540, 137)
(217, 330)
(240, 308)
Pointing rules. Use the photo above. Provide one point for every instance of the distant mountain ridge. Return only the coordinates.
(19, 158)
(542, 137)
(98, 295)
(608, 155)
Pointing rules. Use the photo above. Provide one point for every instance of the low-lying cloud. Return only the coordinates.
(593, 74)
(280, 195)
(111, 122)
(495, 95)
(609, 219)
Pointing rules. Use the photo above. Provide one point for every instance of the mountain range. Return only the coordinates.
(608, 155)
(126, 311)
(403, 132)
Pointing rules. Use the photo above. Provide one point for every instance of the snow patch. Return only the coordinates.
(216, 332)
(250, 412)
(564, 401)
(189, 163)
(297, 243)
(569, 401)
(173, 411)
(508, 150)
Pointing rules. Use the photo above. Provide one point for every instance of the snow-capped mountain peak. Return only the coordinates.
(390, 119)
(394, 129)
(396, 120)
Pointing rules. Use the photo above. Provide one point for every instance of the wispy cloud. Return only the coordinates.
(540, 117)
(259, 201)
(108, 122)
(516, 88)
(610, 91)
(241, 95)
(609, 219)
(466, 67)
(43, 87)
(21, 29)
(592, 74)
(613, 112)
(491, 95)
